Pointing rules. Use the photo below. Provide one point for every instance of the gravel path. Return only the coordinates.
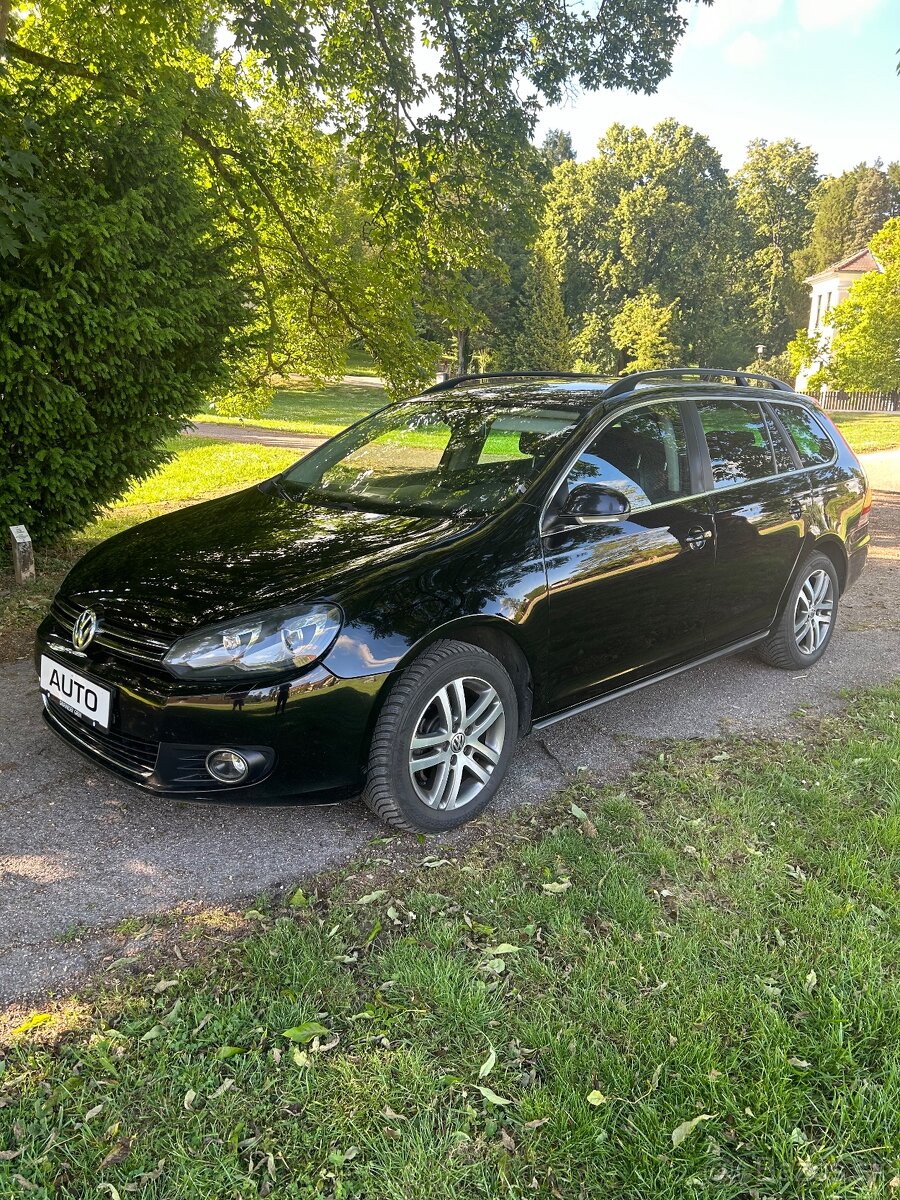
(254, 433)
(80, 851)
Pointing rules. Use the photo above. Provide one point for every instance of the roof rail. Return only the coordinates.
(741, 378)
(455, 380)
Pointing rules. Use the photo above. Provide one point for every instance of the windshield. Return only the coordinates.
(465, 457)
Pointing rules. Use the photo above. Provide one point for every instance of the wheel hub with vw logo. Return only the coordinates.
(84, 629)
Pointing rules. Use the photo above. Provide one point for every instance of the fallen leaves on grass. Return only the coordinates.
(683, 1131)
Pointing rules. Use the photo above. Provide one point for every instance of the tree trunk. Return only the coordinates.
(462, 351)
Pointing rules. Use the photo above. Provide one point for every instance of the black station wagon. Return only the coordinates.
(391, 613)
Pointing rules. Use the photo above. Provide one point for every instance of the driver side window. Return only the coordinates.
(643, 455)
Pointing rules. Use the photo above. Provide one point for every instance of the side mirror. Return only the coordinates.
(594, 504)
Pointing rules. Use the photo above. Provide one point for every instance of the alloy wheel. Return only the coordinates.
(813, 612)
(457, 743)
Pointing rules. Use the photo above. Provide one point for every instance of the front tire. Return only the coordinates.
(443, 739)
(802, 633)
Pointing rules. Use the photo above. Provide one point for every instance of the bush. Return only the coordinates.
(117, 302)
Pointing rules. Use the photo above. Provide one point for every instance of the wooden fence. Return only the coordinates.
(869, 402)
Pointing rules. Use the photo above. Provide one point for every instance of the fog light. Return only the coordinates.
(227, 766)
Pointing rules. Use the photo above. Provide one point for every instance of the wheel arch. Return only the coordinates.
(832, 547)
(493, 634)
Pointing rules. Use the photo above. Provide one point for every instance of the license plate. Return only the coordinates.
(76, 693)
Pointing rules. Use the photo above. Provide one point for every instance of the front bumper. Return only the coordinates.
(311, 733)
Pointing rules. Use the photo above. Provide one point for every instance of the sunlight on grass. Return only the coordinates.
(866, 432)
(319, 412)
(204, 467)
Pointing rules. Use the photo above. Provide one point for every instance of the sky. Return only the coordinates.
(820, 71)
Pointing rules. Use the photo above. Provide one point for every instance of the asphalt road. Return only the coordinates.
(80, 851)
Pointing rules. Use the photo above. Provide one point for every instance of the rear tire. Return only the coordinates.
(803, 631)
(455, 711)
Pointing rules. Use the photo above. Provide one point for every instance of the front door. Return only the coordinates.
(629, 597)
(760, 502)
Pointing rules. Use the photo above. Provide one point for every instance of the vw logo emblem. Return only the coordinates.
(457, 742)
(84, 629)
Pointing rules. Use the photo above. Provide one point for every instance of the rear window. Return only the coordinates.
(738, 441)
(813, 444)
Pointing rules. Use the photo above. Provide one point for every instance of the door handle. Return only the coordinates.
(796, 508)
(696, 538)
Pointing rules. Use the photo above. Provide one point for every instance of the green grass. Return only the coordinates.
(320, 412)
(869, 431)
(709, 949)
(361, 363)
(200, 469)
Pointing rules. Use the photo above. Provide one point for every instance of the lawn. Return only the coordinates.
(680, 987)
(869, 431)
(201, 468)
(361, 363)
(317, 411)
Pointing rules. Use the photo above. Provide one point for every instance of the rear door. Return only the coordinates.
(760, 501)
(628, 597)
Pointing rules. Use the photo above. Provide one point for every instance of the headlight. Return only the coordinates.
(269, 641)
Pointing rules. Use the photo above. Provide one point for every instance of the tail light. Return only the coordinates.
(866, 508)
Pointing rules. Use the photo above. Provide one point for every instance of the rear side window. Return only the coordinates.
(813, 444)
(738, 441)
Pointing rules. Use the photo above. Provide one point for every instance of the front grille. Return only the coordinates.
(136, 646)
(129, 754)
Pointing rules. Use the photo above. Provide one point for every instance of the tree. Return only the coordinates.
(865, 350)
(642, 329)
(876, 201)
(557, 148)
(119, 307)
(774, 188)
(838, 227)
(649, 212)
(540, 338)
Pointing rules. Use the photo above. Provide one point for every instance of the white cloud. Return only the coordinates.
(747, 50)
(711, 25)
(828, 14)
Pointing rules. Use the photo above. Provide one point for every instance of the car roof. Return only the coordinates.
(587, 392)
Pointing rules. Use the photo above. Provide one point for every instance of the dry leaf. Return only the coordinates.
(119, 1153)
(683, 1131)
(488, 1065)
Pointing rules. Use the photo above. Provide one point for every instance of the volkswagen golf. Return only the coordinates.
(390, 614)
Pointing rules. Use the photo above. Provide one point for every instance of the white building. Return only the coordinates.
(827, 289)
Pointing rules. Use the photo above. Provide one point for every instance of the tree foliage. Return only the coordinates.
(557, 148)
(649, 211)
(538, 336)
(847, 211)
(774, 188)
(865, 350)
(643, 330)
(118, 304)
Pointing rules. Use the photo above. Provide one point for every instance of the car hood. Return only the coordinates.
(249, 551)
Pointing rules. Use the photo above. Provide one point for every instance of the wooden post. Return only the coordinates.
(22, 553)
